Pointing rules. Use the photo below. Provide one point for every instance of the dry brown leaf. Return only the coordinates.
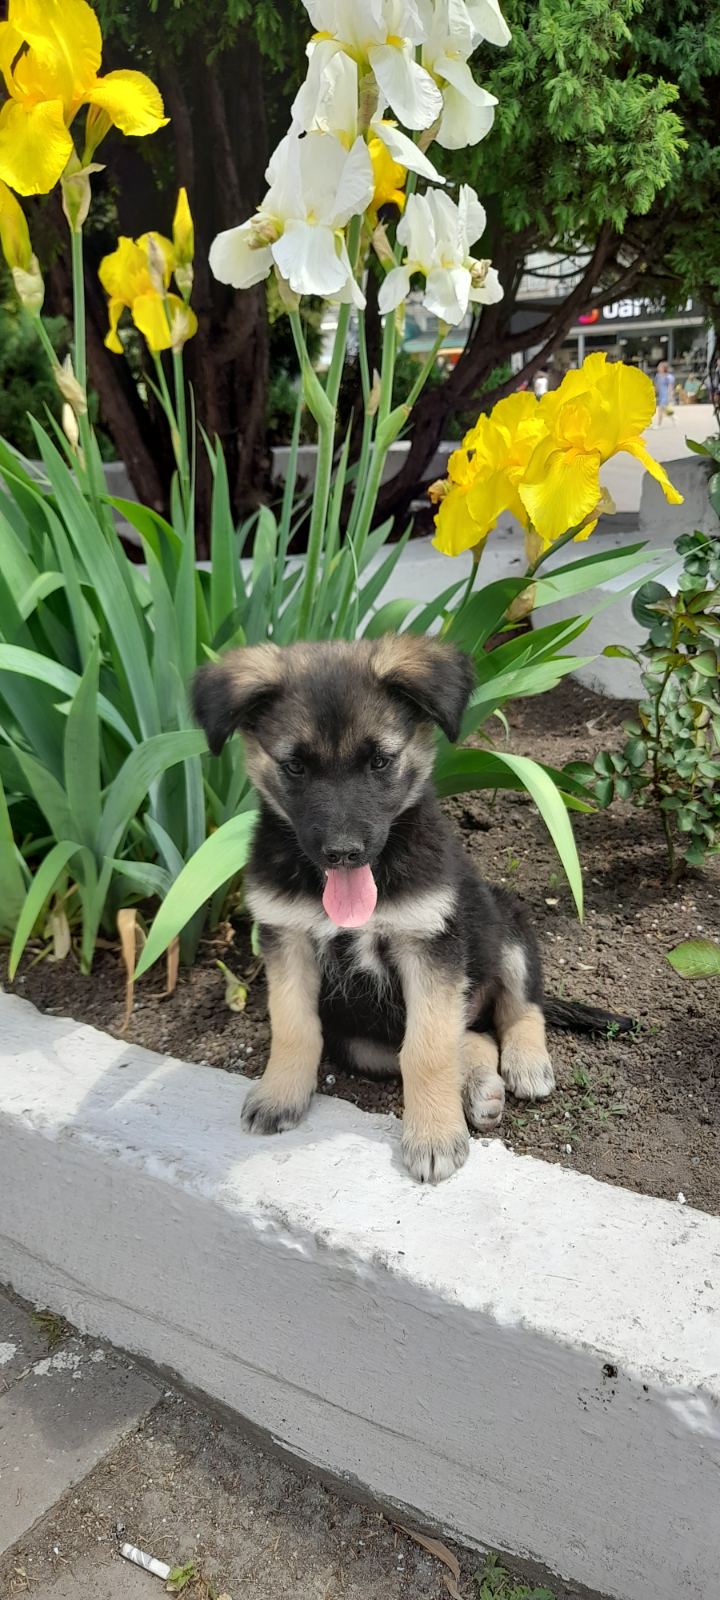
(173, 965)
(435, 1548)
(451, 1587)
(132, 939)
(60, 930)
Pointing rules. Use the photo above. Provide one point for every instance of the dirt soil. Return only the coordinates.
(642, 1110)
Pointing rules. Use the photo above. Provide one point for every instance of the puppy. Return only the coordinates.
(384, 949)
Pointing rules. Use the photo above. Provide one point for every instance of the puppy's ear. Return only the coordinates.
(229, 695)
(435, 678)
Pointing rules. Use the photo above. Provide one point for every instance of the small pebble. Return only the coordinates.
(568, 1149)
(330, 1079)
(681, 1199)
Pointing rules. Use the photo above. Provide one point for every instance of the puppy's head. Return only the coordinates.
(339, 737)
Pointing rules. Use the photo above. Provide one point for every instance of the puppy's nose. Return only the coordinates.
(344, 853)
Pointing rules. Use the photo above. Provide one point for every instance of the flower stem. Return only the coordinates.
(425, 372)
(46, 343)
(89, 462)
(564, 539)
(182, 436)
(78, 276)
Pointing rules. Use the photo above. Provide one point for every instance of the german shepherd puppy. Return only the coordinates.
(384, 949)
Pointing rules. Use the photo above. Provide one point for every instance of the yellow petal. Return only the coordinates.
(35, 146)
(131, 101)
(115, 311)
(515, 409)
(488, 498)
(124, 274)
(456, 530)
(634, 400)
(151, 314)
(63, 49)
(183, 230)
(390, 177)
(14, 234)
(167, 253)
(560, 489)
(635, 447)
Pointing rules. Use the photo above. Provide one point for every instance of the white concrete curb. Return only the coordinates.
(523, 1356)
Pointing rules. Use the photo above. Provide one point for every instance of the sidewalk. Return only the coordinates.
(88, 1442)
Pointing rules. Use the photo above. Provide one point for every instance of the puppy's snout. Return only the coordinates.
(343, 853)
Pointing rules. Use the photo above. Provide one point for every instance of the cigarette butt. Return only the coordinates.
(140, 1558)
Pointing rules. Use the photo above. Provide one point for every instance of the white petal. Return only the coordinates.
(328, 99)
(490, 291)
(307, 258)
(416, 229)
(472, 214)
(232, 261)
(451, 29)
(448, 226)
(459, 75)
(403, 150)
(355, 187)
(447, 293)
(489, 22)
(407, 87)
(322, 162)
(462, 125)
(394, 290)
(284, 175)
(351, 293)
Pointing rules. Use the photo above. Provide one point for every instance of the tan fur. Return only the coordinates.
(483, 1088)
(435, 1137)
(283, 1094)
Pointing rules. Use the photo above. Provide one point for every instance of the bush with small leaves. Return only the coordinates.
(671, 757)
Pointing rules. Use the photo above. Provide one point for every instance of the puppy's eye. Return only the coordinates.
(379, 762)
(292, 769)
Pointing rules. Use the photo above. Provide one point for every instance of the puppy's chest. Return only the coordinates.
(362, 954)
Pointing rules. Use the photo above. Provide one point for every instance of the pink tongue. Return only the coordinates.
(350, 896)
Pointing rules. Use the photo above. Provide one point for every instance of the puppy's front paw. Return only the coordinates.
(431, 1157)
(528, 1073)
(263, 1112)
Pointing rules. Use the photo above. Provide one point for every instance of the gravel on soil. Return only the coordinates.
(641, 1110)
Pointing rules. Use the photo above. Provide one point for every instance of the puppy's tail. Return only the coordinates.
(572, 1016)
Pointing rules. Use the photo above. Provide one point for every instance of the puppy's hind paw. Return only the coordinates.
(430, 1158)
(261, 1113)
(484, 1101)
(528, 1073)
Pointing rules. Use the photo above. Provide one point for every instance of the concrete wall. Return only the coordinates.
(523, 1356)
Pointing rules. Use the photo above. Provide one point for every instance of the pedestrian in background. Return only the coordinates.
(664, 391)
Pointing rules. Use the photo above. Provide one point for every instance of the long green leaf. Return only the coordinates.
(551, 806)
(222, 544)
(576, 577)
(13, 658)
(82, 755)
(390, 618)
(143, 767)
(109, 579)
(12, 881)
(39, 892)
(215, 863)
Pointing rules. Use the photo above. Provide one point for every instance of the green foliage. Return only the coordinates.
(696, 958)
(26, 385)
(585, 132)
(671, 757)
(494, 1583)
(120, 801)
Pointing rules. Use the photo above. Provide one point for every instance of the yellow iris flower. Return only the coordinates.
(136, 277)
(14, 233)
(597, 411)
(485, 474)
(50, 55)
(390, 177)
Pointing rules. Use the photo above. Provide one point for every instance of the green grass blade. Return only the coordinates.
(222, 548)
(82, 756)
(217, 861)
(390, 618)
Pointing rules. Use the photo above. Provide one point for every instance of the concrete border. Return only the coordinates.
(523, 1356)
